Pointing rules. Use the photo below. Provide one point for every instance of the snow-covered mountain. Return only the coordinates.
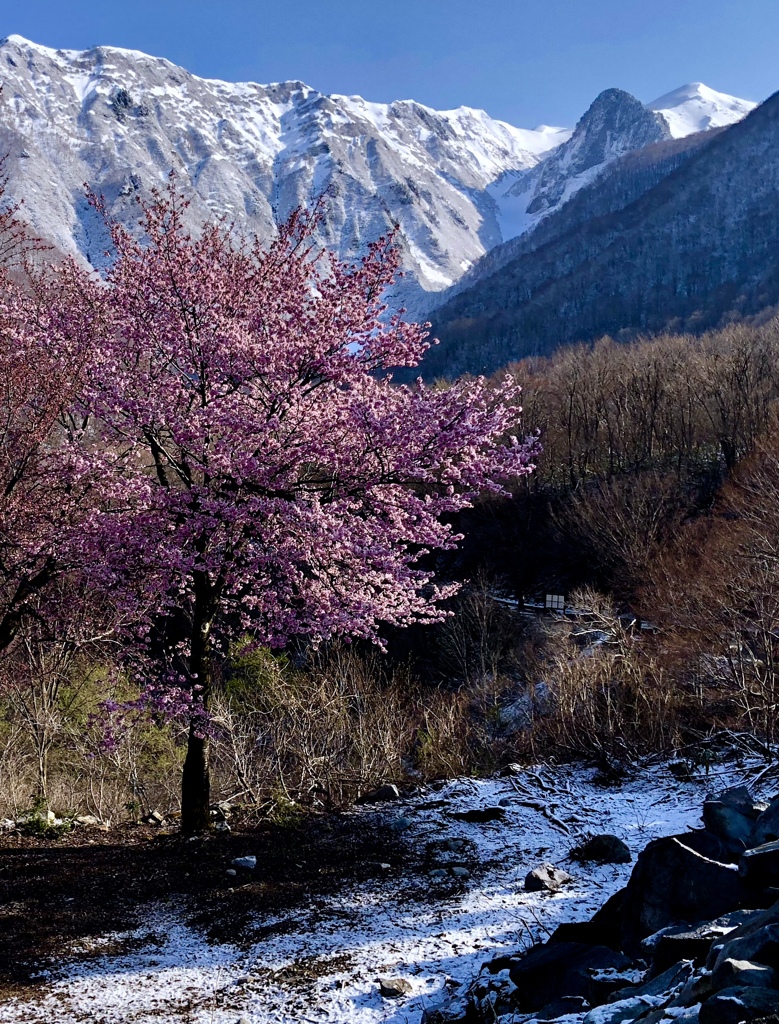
(457, 182)
(615, 124)
(680, 235)
(120, 120)
(696, 108)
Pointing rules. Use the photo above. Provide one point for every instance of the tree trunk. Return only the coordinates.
(195, 781)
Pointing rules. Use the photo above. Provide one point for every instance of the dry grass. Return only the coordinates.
(287, 738)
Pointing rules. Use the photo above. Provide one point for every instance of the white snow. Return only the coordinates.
(83, 85)
(319, 964)
(696, 108)
(54, 53)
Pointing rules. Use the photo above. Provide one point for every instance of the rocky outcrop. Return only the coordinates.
(681, 878)
(693, 939)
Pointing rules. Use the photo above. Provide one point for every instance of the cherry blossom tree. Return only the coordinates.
(282, 484)
(46, 486)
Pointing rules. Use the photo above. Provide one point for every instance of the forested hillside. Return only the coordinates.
(641, 250)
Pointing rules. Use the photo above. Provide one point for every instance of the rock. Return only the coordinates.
(735, 1005)
(609, 917)
(480, 815)
(624, 1010)
(460, 872)
(737, 973)
(547, 878)
(603, 849)
(695, 991)
(759, 867)
(557, 969)
(766, 828)
(401, 824)
(394, 988)
(155, 818)
(727, 823)
(689, 943)
(754, 922)
(231, 872)
(380, 795)
(86, 819)
(438, 873)
(561, 1007)
(660, 1016)
(669, 980)
(585, 932)
(454, 845)
(739, 799)
(761, 945)
(249, 863)
(688, 1016)
(674, 880)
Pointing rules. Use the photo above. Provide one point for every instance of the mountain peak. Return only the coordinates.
(695, 108)
(615, 112)
(55, 53)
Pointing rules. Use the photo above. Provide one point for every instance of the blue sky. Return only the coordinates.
(526, 61)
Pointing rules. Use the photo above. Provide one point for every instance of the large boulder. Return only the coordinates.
(603, 929)
(742, 973)
(691, 942)
(674, 978)
(766, 828)
(737, 1005)
(561, 1008)
(625, 1011)
(761, 946)
(731, 816)
(603, 849)
(557, 969)
(676, 880)
(751, 939)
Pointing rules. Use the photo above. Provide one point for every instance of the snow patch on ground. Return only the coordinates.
(321, 963)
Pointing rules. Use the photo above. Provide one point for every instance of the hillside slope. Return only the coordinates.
(696, 246)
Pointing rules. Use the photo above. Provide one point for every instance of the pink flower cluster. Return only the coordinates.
(212, 435)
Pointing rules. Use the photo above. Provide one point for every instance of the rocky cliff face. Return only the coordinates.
(120, 121)
(615, 124)
(456, 182)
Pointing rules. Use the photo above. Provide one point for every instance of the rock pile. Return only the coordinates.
(692, 939)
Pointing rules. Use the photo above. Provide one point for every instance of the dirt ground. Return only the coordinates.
(58, 893)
